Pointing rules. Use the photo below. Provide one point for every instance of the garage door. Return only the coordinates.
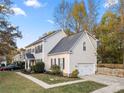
(86, 69)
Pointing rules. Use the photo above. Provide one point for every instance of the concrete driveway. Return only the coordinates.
(114, 83)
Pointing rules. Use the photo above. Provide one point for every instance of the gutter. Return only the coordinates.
(66, 52)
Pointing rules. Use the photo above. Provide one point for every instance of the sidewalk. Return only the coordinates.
(109, 89)
(47, 86)
(114, 83)
(39, 82)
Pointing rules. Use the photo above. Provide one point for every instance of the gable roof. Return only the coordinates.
(41, 39)
(66, 43)
(30, 56)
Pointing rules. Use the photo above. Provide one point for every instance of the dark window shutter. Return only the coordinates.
(63, 63)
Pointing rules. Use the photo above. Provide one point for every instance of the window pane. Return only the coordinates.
(58, 61)
(54, 61)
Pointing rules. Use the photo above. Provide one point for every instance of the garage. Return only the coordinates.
(86, 69)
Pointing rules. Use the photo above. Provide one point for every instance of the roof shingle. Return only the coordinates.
(41, 39)
(66, 43)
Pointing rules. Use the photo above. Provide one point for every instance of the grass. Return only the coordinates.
(121, 91)
(10, 82)
(52, 79)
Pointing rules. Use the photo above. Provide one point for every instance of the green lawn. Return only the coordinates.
(52, 79)
(13, 83)
(121, 91)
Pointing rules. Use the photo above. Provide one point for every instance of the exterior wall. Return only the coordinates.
(3, 60)
(94, 42)
(50, 43)
(19, 57)
(16, 58)
(67, 60)
(79, 56)
(36, 55)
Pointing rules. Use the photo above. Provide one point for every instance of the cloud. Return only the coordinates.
(18, 11)
(50, 21)
(110, 3)
(34, 3)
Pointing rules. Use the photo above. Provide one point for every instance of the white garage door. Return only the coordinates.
(86, 69)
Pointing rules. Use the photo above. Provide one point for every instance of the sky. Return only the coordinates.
(35, 17)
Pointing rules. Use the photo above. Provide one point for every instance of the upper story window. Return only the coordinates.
(38, 49)
(28, 51)
(98, 43)
(32, 50)
(84, 46)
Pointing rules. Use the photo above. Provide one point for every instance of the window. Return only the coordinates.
(54, 61)
(38, 49)
(32, 50)
(58, 61)
(84, 46)
(41, 48)
(29, 51)
(63, 63)
(51, 62)
(98, 43)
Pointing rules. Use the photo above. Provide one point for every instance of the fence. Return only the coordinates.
(111, 69)
(112, 66)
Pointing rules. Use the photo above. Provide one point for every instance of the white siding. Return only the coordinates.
(67, 60)
(50, 43)
(36, 55)
(79, 56)
(94, 42)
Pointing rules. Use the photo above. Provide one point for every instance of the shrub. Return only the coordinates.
(75, 73)
(38, 68)
(21, 65)
(33, 68)
(26, 71)
(55, 69)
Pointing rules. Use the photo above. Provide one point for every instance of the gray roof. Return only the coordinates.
(30, 56)
(66, 44)
(41, 39)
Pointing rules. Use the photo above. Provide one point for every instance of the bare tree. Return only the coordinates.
(61, 14)
(79, 16)
(93, 6)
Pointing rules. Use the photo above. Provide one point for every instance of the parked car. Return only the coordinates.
(10, 67)
(3, 68)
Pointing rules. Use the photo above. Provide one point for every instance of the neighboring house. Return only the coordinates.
(20, 56)
(77, 51)
(3, 60)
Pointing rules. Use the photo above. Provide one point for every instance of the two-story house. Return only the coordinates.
(77, 51)
(39, 49)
